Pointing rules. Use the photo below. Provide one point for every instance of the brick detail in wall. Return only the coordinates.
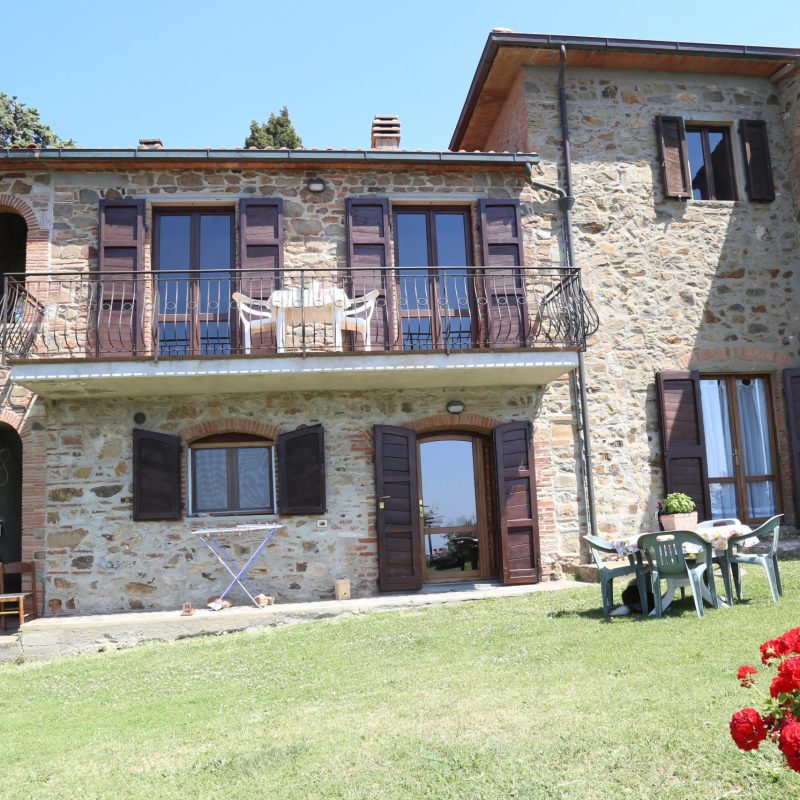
(461, 422)
(227, 425)
(34, 495)
(16, 205)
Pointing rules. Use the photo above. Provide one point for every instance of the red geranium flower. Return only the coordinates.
(781, 646)
(745, 675)
(789, 744)
(788, 677)
(748, 729)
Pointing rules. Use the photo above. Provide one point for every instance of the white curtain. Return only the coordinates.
(717, 428)
(752, 396)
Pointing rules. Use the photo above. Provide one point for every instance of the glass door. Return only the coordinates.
(454, 531)
(434, 287)
(740, 450)
(193, 252)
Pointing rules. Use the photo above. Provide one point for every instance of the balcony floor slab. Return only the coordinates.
(337, 372)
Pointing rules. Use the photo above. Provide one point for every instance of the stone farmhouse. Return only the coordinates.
(426, 366)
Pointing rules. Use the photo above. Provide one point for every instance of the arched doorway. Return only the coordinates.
(459, 536)
(10, 499)
(13, 242)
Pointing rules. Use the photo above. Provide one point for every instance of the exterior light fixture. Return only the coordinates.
(316, 185)
(454, 406)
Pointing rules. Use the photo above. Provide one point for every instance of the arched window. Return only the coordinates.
(13, 241)
(231, 473)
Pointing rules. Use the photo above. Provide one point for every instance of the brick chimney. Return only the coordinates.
(150, 144)
(385, 132)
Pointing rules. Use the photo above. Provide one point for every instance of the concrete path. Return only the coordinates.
(51, 637)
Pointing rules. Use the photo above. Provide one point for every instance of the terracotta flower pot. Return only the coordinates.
(680, 522)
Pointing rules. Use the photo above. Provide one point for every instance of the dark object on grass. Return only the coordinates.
(630, 598)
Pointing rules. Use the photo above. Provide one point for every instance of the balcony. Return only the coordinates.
(122, 333)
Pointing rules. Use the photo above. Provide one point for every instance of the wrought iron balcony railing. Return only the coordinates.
(261, 312)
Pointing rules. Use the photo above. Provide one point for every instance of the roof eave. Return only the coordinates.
(497, 39)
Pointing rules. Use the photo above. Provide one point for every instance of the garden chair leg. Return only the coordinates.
(604, 594)
(725, 570)
(697, 593)
(656, 593)
(777, 575)
(641, 583)
(769, 566)
(737, 581)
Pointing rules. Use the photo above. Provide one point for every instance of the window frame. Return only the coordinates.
(432, 312)
(739, 479)
(231, 443)
(704, 129)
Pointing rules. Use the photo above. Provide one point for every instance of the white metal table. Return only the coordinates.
(208, 536)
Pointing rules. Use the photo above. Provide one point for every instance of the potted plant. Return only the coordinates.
(679, 513)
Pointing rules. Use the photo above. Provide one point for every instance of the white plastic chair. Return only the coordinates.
(358, 316)
(256, 317)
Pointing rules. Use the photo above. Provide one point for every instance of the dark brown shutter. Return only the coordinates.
(368, 258)
(683, 439)
(301, 471)
(516, 502)
(117, 326)
(501, 242)
(674, 155)
(758, 167)
(397, 490)
(791, 388)
(261, 255)
(156, 475)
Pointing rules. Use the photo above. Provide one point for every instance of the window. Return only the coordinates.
(194, 255)
(434, 287)
(711, 162)
(232, 473)
(739, 443)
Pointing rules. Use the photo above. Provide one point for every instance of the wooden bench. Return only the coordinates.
(23, 604)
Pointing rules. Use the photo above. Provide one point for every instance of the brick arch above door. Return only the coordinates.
(474, 423)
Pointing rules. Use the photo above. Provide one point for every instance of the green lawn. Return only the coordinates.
(529, 697)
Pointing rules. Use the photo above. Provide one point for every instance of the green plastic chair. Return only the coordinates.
(607, 574)
(733, 557)
(664, 553)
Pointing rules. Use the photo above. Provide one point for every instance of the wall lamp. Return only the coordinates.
(316, 185)
(454, 406)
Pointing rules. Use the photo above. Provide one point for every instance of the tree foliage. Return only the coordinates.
(277, 131)
(21, 125)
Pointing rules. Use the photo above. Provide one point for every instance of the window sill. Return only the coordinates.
(234, 516)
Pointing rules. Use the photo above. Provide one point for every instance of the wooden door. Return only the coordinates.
(516, 502)
(398, 509)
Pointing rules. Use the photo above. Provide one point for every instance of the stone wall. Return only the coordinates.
(95, 558)
(98, 559)
(699, 284)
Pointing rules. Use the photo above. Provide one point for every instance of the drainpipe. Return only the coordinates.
(566, 200)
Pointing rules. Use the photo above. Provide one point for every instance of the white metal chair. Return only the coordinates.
(256, 317)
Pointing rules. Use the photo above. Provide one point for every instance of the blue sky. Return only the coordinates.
(195, 73)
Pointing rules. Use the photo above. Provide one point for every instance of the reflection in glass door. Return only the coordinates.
(194, 253)
(454, 536)
(739, 447)
(435, 295)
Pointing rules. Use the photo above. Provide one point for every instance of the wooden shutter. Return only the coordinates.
(261, 254)
(791, 389)
(156, 475)
(516, 502)
(397, 489)
(117, 327)
(368, 257)
(683, 438)
(501, 241)
(674, 155)
(758, 167)
(301, 471)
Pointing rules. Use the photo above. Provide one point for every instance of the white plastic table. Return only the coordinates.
(312, 305)
(208, 536)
